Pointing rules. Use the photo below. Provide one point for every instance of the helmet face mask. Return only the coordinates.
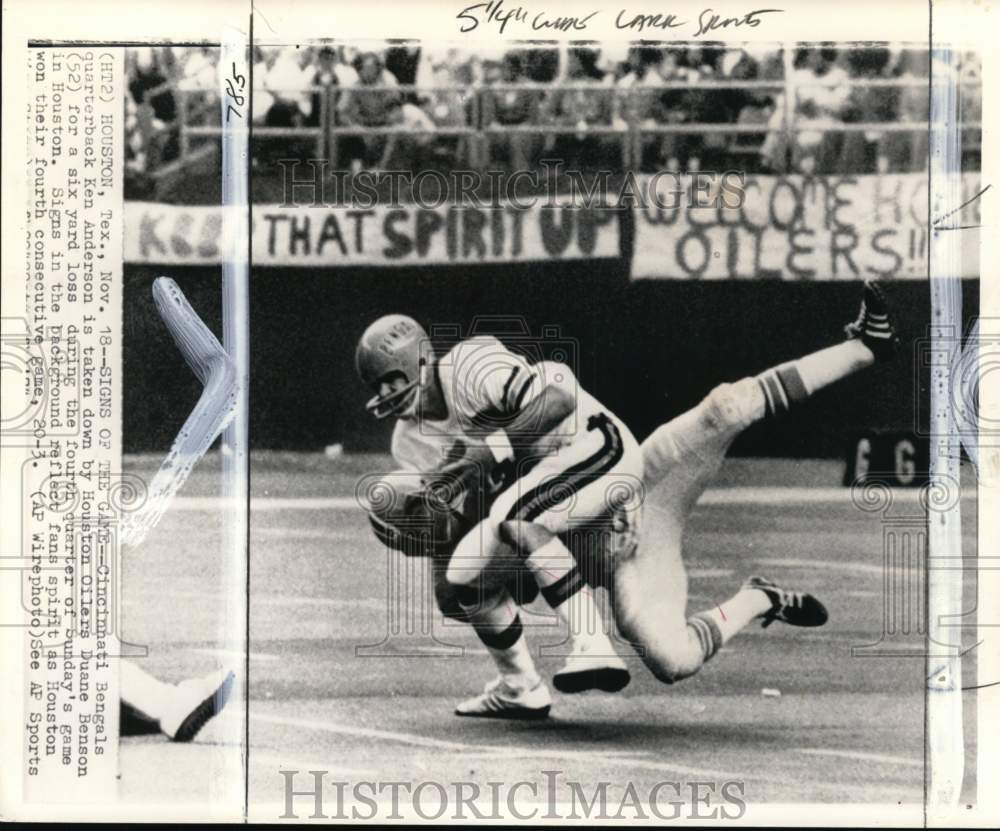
(390, 359)
(395, 395)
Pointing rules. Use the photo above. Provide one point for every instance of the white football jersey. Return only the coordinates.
(486, 384)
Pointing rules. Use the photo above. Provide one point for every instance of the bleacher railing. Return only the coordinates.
(624, 123)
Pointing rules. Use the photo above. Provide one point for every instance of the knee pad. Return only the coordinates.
(734, 405)
(447, 602)
(460, 600)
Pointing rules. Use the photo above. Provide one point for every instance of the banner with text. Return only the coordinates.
(797, 227)
(380, 236)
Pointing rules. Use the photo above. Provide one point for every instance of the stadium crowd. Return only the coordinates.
(574, 102)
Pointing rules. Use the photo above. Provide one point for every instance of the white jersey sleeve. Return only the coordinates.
(411, 450)
(488, 380)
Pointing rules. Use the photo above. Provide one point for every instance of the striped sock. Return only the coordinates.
(707, 632)
(731, 616)
(792, 383)
(556, 572)
(783, 386)
(498, 625)
(566, 591)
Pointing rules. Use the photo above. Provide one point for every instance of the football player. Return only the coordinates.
(482, 419)
(649, 585)
(645, 577)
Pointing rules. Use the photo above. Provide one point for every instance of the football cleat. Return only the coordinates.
(502, 700)
(585, 671)
(874, 324)
(794, 608)
(197, 700)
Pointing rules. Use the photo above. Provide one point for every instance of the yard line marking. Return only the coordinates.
(833, 565)
(713, 496)
(778, 495)
(698, 573)
(908, 761)
(484, 750)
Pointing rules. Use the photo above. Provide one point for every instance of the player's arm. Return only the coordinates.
(538, 417)
(519, 408)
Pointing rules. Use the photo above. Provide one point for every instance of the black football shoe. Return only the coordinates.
(874, 325)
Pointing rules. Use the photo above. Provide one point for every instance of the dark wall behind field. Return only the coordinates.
(648, 349)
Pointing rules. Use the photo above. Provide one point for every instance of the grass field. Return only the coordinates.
(844, 728)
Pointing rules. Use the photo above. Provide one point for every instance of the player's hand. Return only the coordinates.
(469, 472)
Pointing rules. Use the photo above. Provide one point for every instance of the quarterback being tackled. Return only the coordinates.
(507, 467)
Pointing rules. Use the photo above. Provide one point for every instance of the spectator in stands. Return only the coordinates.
(148, 75)
(636, 104)
(324, 78)
(746, 107)
(411, 142)
(585, 100)
(820, 93)
(263, 60)
(506, 107)
(402, 59)
(638, 91)
(735, 65)
(367, 105)
(137, 184)
(861, 151)
(541, 63)
(702, 103)
(199, 83)
(668, 106)
(906, 152)
(970, 109)
(289, 81)
(445, 80)
(614, 59)
(153, 114)
(198, 68)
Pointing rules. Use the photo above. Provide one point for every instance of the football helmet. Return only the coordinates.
(390, 357)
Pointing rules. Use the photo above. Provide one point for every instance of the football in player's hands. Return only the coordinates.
(416, 516)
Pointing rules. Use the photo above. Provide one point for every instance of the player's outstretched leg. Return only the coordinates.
(690, 448)
(870, 339)
(180, 709)
(650, 583)
(674, 647)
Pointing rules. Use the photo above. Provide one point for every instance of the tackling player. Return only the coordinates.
(649, 581)
(646, 578)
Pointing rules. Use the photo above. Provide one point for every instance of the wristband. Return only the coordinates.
(500, 446)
